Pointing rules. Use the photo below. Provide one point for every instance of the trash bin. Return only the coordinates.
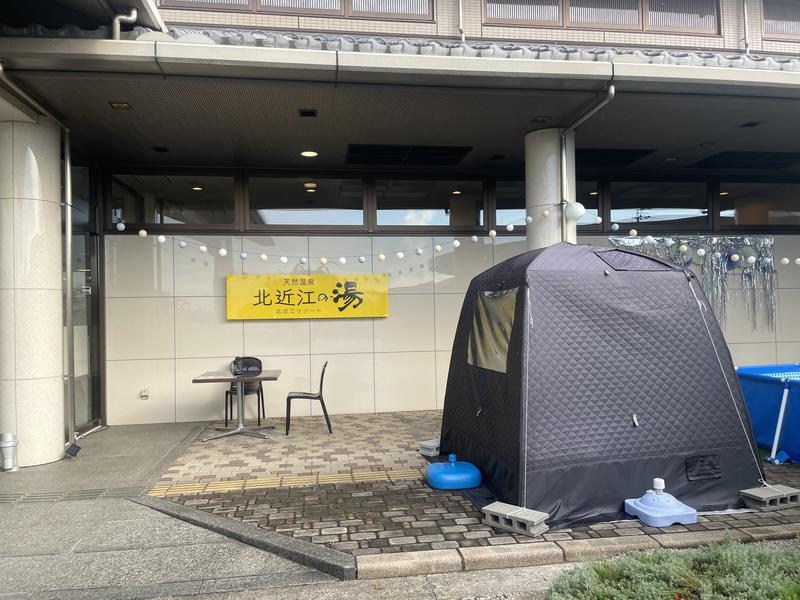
(8, 452)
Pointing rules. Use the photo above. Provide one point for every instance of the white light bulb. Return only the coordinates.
(323, 261)
(735, 257)
(381, 257)
(303, 260)
(362, 259)
(203, 249)
(182, 244)
(342, 260)
(142, 233)
(633, 233)
(615, 227)
(598, 220)
(456, 243)
(418, 251)
(223, 252)
(797, 261)
(683, 248)
(284, 259)
(243, 255)
(400, 255)
(767, 260)
(492, 233)
(510, 227)
(529, 219)
(120, 226)
(784, 261)
(545, 213)
(438, 248)
(574, 210)
(474, 238)
(751, 260)
(161, 239)
(264, 257)
(701, 252)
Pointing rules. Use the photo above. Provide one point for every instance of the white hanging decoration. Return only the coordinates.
(161, 239)
(797, 261)
(223, 252)
(683, 248)
(717, 255)
(598, 220)
(284, 259)
(735, 257)
(182, 244)
(510, 227)
(474, 238)
(492, 233)
(400, 255)
(701, 252)
(633, 233)
(203, 249)
(545, 213)
(342, 260)
(362, 259)
(243, 255)
(529, 219)
(767, 260)
(303, 260)
(574, 210)
(264, 257)
(615, 227)
(323, 261)
(142, 233)
(438, 248)
(120, 226)
(381, 257)
(751, 260)
(418, 251)
(784, 261)
(456, 243)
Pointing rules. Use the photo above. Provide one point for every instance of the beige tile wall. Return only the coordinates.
(445, 24)
(165, 324)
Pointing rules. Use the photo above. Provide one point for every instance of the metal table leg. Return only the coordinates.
(240, 426)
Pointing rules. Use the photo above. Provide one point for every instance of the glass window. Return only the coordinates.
(510, 202)
(660, 203)
(623, 13)
(782, 17)
(538, 11)
(399, 8)
(301, 5)
(759, 204)
(306, 201)
(82, 208)
(173, 199)
(683, 15)
(430, 203)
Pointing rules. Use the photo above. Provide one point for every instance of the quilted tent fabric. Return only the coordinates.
(617, 373)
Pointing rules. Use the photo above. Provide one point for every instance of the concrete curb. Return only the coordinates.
(322, 558)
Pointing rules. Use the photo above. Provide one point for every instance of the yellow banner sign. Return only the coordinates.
(307, 296)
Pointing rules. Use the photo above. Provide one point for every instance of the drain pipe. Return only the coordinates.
(611, 92)
(461, 21)
(122, 18)
(746, 27)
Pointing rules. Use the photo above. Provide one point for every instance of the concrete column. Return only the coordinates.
(543, 187)
(31, 329)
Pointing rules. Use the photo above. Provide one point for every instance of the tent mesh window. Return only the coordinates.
(492, 323)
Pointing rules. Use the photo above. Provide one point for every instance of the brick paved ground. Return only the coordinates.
(371, 442)
(407, 516)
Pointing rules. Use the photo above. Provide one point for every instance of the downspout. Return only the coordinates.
(746, 27)
(122, 18)
(461, 21)
(70, 334)
(611, 92)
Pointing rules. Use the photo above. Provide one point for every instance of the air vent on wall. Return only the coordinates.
(608, 158)
(417, 156)
(740, 159)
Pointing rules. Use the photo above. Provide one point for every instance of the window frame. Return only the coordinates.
(565, 23)
(776, 37)
(346, 11)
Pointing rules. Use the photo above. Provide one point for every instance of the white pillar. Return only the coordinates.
(543, 187)
(31, 349)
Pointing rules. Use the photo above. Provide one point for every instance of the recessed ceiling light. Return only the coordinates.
(724, 193)
(120, 105)
(310, 190)
(456, 192)
(671, 159)
(197, 188)
(160, 148)
(593, 193)
(751, 124)
(309, 153)
(309, 184)
(307, 112)
(541, 119)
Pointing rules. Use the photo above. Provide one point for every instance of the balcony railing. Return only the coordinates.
(401, 10)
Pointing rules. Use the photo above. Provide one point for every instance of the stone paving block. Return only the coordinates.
(407, 564)
(509, 556)
(599, 548)
(774, 532)
(692, 539)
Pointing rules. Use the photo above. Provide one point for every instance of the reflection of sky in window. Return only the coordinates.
(309, 216)
(654, 215)
(516, 217)
(415, 217)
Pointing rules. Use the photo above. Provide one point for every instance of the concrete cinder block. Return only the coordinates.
(771, 497)
(512, 555)
(599, 548)
(516, 519)
(405, 564)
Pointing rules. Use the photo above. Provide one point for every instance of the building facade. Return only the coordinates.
(432, 139)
